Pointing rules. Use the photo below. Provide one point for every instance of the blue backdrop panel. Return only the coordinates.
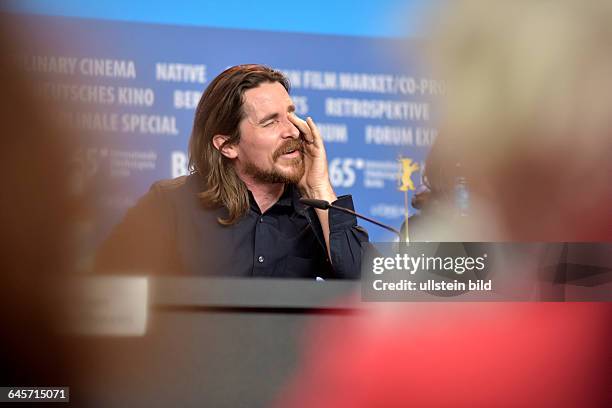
(131, 89)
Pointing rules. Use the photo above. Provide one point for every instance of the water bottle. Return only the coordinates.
(462, 193)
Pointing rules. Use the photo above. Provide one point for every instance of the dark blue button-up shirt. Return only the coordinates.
(169, 231)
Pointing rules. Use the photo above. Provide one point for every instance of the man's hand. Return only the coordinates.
(315, 182)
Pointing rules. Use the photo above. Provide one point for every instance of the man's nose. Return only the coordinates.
(289, 129)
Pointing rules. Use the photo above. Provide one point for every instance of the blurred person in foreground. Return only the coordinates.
(529, 110)
(528, 116)
(238, 212)
(36, 211)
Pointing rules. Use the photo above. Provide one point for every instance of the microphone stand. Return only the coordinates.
(324, 205)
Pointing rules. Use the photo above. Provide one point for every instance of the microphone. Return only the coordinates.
(324, 205)
(312, 202)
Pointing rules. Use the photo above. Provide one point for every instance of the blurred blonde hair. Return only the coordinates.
(529, 106)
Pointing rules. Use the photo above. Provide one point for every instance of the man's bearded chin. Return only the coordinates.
(295, 166)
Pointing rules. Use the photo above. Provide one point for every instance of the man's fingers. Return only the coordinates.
(303, 127)
(314, 130)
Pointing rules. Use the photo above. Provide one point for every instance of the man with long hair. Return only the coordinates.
(238, 212)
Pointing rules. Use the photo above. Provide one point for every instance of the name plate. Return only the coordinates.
(107, 306)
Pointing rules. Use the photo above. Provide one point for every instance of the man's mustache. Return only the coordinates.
(289, 146)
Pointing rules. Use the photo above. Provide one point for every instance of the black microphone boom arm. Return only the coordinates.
(324, 205)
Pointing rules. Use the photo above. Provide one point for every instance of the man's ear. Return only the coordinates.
(228, 150)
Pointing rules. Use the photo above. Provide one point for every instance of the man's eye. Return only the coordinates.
(268, 124)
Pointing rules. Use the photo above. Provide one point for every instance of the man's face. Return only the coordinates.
(270, 148)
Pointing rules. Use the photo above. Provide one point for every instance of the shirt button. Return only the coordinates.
(261, 219)
(260, 259)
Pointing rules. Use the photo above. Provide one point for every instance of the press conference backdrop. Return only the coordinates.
(131, 88)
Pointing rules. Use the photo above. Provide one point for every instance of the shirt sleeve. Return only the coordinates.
(347, 240)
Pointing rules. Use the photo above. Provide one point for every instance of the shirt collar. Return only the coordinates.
(289, 198)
